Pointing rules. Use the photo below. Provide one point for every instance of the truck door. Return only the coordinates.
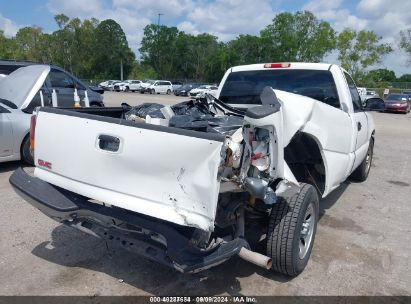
(360, 123)
(6, 133)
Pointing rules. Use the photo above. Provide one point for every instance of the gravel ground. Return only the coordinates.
(362, 247)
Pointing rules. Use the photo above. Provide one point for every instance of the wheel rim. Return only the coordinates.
(368, 159)
(307, 231)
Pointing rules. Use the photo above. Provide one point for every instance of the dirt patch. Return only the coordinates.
(344, 223)
(399, 183)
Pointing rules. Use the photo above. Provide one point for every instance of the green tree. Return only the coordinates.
(380, 75)
(142, 71)
(377, 78)
(297, 37)
(359, 50)
(7, 47)
(158, 48)
(28, 45)
(405, 78)
(247, 49)
(405, 42)
(111, 49)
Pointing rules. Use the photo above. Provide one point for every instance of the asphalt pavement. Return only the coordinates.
(362, 246)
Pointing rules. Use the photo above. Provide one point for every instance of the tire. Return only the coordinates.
(361, 173)
(95, 105)
(289, 244)
(168, 92)
(152, 91)
(127, 89)
(26, 155)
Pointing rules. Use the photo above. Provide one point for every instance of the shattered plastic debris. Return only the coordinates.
(190, 115)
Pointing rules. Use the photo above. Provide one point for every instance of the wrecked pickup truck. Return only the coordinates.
(194, 184)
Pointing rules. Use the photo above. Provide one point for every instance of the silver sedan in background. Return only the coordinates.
(17, 90)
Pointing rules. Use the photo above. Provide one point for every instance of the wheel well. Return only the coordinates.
(304, 159)
(95, 103)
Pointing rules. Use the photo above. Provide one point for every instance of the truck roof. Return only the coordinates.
(282, 65)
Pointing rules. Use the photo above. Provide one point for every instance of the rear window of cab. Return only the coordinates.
(244, 87)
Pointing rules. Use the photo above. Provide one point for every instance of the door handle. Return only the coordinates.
(359, 126)
(108, 143)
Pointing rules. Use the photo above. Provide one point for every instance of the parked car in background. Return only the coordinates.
(371, 93)
(110, 86)
(132, 85)
(363, 93)
(17, 91)
(105, 84)
(127, 85)
(145, 84)
(61, 81)
(118, 85)
(210, 89)
(185, 89)
(399, 103)
(160, 86)
(176, 85)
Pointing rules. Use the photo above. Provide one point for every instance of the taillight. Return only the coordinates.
(33, 121)
(277, 65)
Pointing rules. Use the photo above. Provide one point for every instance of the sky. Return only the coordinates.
(225, 19)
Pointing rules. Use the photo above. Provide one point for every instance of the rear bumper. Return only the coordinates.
(402, 109)
(163, 242)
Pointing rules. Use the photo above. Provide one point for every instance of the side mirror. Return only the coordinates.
(374, 104)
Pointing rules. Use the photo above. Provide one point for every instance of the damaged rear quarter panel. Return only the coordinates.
(330, 127)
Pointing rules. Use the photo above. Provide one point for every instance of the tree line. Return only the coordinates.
(95, 50)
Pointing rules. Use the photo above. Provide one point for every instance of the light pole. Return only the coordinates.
(158, 41)
(158, 21)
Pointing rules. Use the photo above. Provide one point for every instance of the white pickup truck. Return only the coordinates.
(188, 195)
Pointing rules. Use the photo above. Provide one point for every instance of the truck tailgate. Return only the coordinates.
(163, 172)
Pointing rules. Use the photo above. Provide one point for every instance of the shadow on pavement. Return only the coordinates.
(332, 198)
(11, 166)
(72, 248)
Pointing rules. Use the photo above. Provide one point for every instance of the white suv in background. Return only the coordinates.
(160, 86)
(131, 85)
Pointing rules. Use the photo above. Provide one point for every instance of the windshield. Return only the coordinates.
(245, 87)
(396, 97)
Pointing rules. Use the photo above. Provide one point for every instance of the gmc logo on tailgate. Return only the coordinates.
(44, 164)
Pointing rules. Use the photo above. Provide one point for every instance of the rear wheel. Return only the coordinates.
(127, 89)
(26, 154)
(168, 92)
(153, 91)
(361, 173)
(291, 230)
(95, 104)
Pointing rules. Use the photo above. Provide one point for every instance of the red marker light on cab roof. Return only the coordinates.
(277, 65)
